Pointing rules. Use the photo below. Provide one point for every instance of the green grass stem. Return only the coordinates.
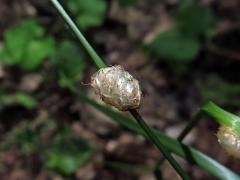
(154, 138)
(100, 64)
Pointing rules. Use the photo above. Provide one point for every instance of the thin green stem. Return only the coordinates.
(98, 61)
(190, 125)
(159, 144)
(100, 64)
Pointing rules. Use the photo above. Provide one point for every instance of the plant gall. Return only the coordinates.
(229, 140)
(117, 87)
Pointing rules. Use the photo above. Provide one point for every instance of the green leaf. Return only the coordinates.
(25, 45)
(19, 98)
(173, 45)
(69, 62)
(191, 155)
(26, 100)
(194, 20)
(7, 57)
(68, 153)
(181, 44)
(88, 13)
(16, 40)
(36, 52)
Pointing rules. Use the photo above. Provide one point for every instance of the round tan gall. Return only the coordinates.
(229, 140)
(117, 87)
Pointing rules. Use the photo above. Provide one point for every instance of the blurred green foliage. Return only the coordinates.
(181, 43)
(29, 136)
(26, 100)
(58, 148)
(67, 153)
(26, 45)
(19, 98)
(24, 137)
(28, 140)
(172, 45)
(88, 13)
(222, 92)
(193, 20)
(69, 62)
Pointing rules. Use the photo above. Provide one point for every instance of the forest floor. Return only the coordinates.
(169, 98)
